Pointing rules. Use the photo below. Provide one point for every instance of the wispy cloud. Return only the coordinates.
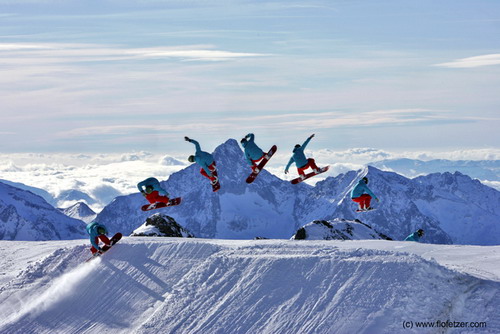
(309, 120)
(65, 52)
(470, 62)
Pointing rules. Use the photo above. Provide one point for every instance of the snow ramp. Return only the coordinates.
(147, 285)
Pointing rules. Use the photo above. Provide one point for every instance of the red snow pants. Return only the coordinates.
(310, 163)
(363, 201)
(103, 239)
(212, 169)
(155, 197)
(255, 162)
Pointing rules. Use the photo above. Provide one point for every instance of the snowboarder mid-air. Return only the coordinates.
(301, 161)
(362, 195)
(205, 160)
(253, 153)
(97, 232)
(415, 236)
(152, 191)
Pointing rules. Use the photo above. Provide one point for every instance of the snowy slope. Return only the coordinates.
(160, 285)
(80, 211)
(26, 216)
(273, 208)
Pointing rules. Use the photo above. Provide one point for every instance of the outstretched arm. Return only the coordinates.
(288, 165)
(307, 141)
(140, 185)
(196, 144)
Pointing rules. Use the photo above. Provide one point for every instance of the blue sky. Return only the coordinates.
(122, 76)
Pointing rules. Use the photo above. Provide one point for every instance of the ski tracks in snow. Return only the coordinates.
(152, 285)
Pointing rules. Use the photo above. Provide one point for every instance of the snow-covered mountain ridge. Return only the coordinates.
(273, 208)
(338, 229)
(80, 211)
(169, 285)
(26, 216)
(482, 169)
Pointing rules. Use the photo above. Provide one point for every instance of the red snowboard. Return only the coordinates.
(105, 248)
(261, 165)
(216, 186)
(158, 205)
(321, 170)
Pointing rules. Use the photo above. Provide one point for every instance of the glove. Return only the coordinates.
(311, 135)
(286, 171)
(143, 193)
(186, 138)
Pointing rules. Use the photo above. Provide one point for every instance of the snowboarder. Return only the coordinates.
(362, 195)
(415, 236)
(97, 232)
(253, 153)
(205, 160)
(301, 161)
(152, 191)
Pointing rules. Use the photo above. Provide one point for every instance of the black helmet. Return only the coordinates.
(149, 189)
(191, 158)
(420, 232)
(243, 140)
(365, 179)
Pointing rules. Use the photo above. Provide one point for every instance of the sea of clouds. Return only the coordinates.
(98, 178)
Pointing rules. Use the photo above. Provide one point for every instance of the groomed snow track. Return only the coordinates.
(147, 285)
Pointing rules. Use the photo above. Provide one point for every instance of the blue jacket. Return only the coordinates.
(413, 237)
(92, 231)
(252, 151)
(360, 189)
(298, 156)
(202, 158)
(153, 182)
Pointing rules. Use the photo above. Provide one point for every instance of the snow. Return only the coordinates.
(173, 285)
(147, 230)
(337, 229)
(26, 216)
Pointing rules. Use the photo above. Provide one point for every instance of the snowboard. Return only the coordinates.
(358, 210)
(215, 186)
(159, 205)
(261, 164)
(307, 176)
(105, 248)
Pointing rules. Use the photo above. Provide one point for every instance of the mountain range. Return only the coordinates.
(482, 169)
(450, 207)
(26, 216)
(79, 210)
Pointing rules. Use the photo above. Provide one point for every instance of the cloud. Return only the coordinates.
(48, 53)
(104, 176)
(470, 62)
(93, 178)
(201, 54)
